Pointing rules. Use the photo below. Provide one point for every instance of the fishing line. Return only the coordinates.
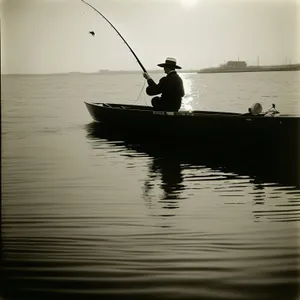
(140, 94)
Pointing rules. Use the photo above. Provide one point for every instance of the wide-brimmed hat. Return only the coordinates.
(170, 62)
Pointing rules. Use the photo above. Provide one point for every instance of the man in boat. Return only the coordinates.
(170, 87)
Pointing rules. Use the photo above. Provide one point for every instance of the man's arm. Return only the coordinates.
(153, 88)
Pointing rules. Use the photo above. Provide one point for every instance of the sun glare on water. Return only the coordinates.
(188, 3)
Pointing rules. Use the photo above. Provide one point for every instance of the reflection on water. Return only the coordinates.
(262, 164)
(191, 93)
(171, 178)
(202, 222)
(233, 171)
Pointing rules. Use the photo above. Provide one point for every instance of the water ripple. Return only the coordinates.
(87, 214)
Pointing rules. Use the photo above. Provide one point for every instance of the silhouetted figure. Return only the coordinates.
(170, 87)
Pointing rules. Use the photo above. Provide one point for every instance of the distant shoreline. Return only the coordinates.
(224, 69)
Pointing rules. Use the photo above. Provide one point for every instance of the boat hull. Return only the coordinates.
(142, 120)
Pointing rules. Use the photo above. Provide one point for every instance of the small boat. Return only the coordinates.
(143, 120)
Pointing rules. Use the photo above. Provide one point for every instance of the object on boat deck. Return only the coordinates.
(272, 112)
(255, 109)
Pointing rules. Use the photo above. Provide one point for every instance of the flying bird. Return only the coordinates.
(92, 33)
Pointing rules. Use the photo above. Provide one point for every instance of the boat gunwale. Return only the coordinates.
(129, 107)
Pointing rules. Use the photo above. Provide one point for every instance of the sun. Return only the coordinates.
(188, 3)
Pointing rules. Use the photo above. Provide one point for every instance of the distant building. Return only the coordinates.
(233, 64)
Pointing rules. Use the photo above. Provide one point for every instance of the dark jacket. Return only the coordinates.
(171, 89)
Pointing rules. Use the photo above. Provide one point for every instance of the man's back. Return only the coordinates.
(171, 89)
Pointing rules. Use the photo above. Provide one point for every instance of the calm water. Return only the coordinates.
(86, 215)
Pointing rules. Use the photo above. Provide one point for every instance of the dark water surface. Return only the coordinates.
(89, 215)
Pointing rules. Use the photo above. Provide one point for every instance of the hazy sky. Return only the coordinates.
(50, 36)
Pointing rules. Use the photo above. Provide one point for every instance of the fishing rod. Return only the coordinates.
(143, 68)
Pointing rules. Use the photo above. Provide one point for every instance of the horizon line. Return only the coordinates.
(98, 72)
